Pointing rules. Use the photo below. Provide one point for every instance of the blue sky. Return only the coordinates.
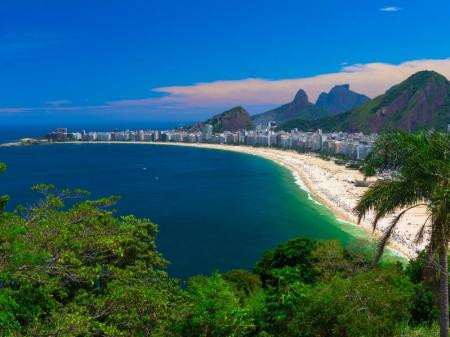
(75, 59)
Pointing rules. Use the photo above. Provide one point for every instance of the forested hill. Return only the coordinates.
(231, 120)
(420, 102)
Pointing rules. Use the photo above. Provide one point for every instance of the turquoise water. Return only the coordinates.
(216, 210)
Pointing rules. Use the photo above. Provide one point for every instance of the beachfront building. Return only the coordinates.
(103, 136)
(351, 145)
(207, 132)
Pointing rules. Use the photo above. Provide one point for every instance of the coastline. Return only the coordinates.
(327, 183)
(314, 179)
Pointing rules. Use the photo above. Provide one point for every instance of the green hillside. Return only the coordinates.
(420, 102)
(231, 120)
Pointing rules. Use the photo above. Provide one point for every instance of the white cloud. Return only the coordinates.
(371, 79)
(256, 94)
(391, 9)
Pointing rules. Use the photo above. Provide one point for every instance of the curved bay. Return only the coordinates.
(216, 210)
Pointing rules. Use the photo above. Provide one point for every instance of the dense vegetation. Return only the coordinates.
(328, 124)
(82, 271)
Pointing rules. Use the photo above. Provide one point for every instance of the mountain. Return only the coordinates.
(340, 99)
(300, 107)
(231, 120)
(420, 102)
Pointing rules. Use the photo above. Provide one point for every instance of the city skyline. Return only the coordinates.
(354, 146)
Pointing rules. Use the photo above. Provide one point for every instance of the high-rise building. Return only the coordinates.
(207, 132)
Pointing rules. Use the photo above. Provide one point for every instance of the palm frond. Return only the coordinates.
(393, 150)
(421, 233)
(386, 196)
(388, 233)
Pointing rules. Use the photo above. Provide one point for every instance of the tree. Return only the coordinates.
(245, 282)
(425, 308)
(370, 304)
(213, 310)
(81, 271)
(288, 262)
(331, 259)
(420, 176)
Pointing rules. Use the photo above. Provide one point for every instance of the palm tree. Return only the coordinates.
(419, 167)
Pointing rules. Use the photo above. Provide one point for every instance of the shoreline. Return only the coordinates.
(305, 184)
(326, 183)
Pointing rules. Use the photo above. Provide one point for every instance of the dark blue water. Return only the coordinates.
(215, 209)
(10, 132)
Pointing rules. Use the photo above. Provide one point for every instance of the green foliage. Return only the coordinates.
(327, 124)
(421, 331)
(213, 310)
(288, 262)
(80, 271)
(424, 310)
(283, 305)
(369, 304)
(245, 282)
(331, 260)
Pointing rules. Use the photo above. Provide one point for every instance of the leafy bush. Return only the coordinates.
(288, 262)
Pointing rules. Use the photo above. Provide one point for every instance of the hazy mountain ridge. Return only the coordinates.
(341, 99)
(300, 107)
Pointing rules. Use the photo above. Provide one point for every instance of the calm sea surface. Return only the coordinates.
(216, 210)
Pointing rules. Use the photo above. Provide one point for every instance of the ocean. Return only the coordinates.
(216, 210)
(14, 131)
